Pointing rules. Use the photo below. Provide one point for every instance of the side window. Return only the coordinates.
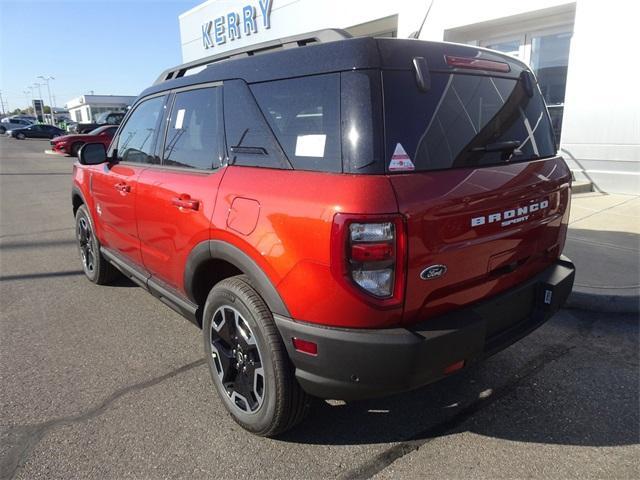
(193, 136)
(249, 139)
(137, 138)
(304, 113)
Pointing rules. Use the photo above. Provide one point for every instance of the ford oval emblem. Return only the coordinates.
(434, 271)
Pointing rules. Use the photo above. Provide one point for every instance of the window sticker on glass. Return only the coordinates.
(310, 145)
(179, 119)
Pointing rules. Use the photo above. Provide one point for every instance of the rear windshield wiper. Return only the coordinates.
(508, 146)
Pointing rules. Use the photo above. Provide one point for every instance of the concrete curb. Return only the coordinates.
(603, 302)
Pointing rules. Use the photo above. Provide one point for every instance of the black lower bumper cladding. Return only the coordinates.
(356, 364)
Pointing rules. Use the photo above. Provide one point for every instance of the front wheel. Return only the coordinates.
(95, 266)
(75, 148)
(21, 136)
(248, 362)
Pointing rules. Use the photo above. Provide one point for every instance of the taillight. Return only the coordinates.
(369, 254)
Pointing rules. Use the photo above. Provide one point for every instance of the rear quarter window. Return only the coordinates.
(304, 114)
(449, 125)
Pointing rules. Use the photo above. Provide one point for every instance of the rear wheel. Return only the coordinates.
(2, 130)
(248, 362)
(95, 266)
(75, 148)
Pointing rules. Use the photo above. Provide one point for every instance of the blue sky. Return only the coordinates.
(109, 46)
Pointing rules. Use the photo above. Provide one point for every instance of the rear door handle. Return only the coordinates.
(185, 201)
(122, 187)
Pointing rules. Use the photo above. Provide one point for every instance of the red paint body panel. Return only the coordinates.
(291, 241)
(168, 232)
(439, 207)
(114, 189)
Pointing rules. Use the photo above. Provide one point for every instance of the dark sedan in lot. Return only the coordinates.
(70, 144)
(36, 131)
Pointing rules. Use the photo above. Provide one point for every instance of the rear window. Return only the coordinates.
(304, 115)
(464, 121)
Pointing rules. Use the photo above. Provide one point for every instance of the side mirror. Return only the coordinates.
(92, 154)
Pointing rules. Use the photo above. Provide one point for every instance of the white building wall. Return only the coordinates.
(601, 126)
(291, 17)
(601, 130)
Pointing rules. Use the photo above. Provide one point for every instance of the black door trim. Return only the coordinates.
(163, 292)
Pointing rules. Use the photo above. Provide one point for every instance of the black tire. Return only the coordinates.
(75, 148)
(283, 403)
(3, 130)
(97, 269)
(21, 136)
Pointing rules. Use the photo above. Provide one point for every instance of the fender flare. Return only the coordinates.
(219, 250)
(76, 191)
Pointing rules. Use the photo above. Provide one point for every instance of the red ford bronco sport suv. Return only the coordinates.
(344, 219)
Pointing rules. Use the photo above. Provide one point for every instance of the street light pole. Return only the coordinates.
(46, 79)
(1, 104)
(30, 92)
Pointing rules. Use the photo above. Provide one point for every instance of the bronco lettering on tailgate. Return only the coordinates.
(512, 216)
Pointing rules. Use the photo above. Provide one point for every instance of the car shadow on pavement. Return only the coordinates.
(10, 245)
(33, 276)
(21, 174)
(577, 391)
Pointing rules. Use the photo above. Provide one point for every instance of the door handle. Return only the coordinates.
(122, 187)
(185, 201)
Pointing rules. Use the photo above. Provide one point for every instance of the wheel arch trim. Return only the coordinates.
(76, 192)
(220, 250)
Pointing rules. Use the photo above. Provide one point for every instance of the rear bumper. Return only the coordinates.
(357, 364)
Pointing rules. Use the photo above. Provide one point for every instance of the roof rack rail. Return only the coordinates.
(320, 36)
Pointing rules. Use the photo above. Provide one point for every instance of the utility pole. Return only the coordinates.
(46, 79)
(2, 104)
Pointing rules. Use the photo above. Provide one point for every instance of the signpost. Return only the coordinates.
(38, 110)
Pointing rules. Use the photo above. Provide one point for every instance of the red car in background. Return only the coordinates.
(70, 144)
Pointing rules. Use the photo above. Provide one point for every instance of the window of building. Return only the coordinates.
(547, 53)
(510, 47)
(138, 136)
(193, 137)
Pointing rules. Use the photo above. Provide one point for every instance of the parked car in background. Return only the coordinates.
(13, 123)
(106, 118)
(36, 131)
(70, 144)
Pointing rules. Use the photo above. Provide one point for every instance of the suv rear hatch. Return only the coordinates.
(471, 156)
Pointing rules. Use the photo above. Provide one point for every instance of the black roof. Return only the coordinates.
(336, 56)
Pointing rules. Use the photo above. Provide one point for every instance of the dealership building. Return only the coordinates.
(580, 52)
(86, 108)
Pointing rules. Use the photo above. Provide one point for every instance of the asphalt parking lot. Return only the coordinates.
(106, 382)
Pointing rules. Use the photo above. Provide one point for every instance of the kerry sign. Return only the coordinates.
(233, 25)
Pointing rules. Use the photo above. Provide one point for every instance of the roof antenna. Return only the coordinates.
(416, 34)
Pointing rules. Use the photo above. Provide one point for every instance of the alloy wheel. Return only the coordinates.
(85, 241)
(236, 358)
